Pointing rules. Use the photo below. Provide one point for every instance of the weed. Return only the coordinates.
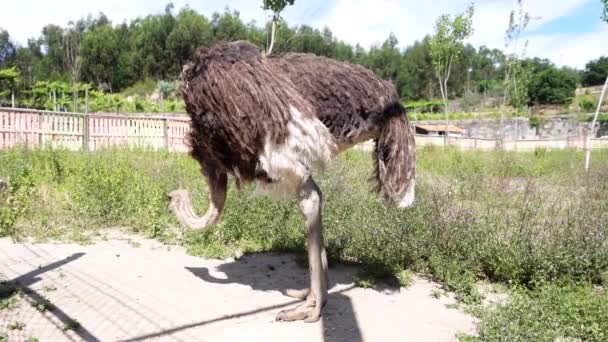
(8, 303)
(405, 278)
(436, 293)
(16, 325)
(552, 312)
(70, 324)
(43, 305)
(8, 296)
(49, 288)
(364, 281)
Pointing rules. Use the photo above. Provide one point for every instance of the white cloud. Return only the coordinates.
(370, 22)
(570, 49)
(355, 21)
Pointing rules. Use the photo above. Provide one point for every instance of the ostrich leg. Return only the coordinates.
(182, 205)
(310, 203)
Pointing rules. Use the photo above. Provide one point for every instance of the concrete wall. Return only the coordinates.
(558, 127)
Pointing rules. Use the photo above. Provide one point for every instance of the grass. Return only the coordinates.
(8, 296)
(527, 220)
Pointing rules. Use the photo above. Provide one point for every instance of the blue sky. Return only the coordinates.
(569, 32)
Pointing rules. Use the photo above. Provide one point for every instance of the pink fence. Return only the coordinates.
(76, 131)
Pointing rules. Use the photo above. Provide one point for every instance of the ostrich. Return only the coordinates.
(272, 121)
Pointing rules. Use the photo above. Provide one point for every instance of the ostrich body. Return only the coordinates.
(272, 120)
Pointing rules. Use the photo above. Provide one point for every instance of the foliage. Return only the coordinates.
(118, 56)
(605, 15)
(422, 106)
(552, 86)
(517, 77)
(519, 218)
(8, 80)
(14, 201)
(553, 312)
(276, 6)
(7, 47)
(537, 122)
(595, 72)
(459, 231)
(586, 105)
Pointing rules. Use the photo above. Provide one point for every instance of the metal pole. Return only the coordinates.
(597, 112)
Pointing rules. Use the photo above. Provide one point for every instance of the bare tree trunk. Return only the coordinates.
(597, 112)
(73, 62)
(75, 98)
(272, 36)
(445, 108)
(13, 98)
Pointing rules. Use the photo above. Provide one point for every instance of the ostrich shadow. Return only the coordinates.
(277, 272)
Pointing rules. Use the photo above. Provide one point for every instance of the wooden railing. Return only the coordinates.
(90, 132)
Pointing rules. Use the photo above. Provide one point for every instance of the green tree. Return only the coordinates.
(228, 26)
(385, 60)
(487, 68)
(191, 30)
(276, 6)
(150, 41)
(605, 17)
(9, 78)
(101, 54)
(446, 46)
(517, 76)
(552, 86)
(595, 72)
(7, 48)
(52, 40)
(416, 77)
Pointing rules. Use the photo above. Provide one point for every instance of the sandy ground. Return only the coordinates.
(139, 290)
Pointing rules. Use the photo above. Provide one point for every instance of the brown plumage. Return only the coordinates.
(356, 105)
(235, 102)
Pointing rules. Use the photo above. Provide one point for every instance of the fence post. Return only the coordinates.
(166, 132)
(40, 130)
(85, 133)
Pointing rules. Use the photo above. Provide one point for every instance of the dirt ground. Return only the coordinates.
(125, 288)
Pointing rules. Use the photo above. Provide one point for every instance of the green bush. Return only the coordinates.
(522, 218)
(586, 105)
(551, 313)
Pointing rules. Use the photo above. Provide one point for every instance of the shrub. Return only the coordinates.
(551, 313)
(522, 218)
(586, 105)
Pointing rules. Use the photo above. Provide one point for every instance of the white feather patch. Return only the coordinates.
(309, 145)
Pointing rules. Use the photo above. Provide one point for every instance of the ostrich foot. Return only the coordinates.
(309, 312)
(299, 294)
